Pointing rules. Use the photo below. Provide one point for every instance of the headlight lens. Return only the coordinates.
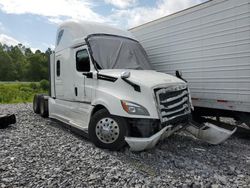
(133, 108)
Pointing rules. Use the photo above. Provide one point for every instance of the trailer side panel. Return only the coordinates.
(210, 44)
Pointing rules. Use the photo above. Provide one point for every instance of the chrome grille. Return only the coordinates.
(172, 102)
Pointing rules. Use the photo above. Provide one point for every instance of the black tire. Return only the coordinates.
(6, 120)
(36, 103)
(44, 109)
(119, 142)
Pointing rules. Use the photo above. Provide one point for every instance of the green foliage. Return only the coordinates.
(44, 84)
(18, 63)
(33, 85)
(19, 92)
(7, 71)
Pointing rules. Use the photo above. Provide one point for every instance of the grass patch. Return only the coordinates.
(20, 92)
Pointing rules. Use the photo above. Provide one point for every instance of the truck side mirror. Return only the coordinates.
(178, 74)
(125, 74)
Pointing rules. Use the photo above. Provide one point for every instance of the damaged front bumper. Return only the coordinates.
(140, 144)
(208, 133)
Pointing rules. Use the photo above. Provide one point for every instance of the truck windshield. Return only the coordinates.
(116, 52)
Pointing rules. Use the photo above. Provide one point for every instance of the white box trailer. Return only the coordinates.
(210, 44)
(102, 83)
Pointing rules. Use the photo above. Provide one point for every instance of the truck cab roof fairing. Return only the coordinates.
(117, 52)
(74, 33)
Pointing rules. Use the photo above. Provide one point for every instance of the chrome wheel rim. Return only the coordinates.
(107, 130)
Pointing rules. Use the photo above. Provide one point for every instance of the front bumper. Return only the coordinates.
(140, 144)
(210, 133)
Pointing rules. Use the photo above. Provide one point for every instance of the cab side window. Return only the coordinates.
(82, 61)
(59, 37)
(58, 71)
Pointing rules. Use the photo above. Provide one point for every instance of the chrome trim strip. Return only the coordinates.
(166, 119)
(177, 97)
(174, 105)
(172, 88)
(175, 111)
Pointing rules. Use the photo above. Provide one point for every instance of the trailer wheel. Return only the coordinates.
(44, 109)
(107, 131)
(36, 103)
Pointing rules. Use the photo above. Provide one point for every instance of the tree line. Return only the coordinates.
(18, 63)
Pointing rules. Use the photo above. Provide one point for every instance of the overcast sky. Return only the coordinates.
(34, 22)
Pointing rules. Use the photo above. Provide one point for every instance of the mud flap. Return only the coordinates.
(210, 133)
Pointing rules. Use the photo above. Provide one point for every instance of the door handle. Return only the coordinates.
(76, 92)
(88, 74)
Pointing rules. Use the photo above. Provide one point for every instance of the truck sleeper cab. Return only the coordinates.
(102, 83)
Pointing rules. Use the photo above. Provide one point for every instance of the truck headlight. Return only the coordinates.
(133, 108)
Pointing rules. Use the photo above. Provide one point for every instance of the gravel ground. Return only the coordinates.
(37, 152)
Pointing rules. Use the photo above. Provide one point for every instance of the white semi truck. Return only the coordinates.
(101, 82)
(210, 44)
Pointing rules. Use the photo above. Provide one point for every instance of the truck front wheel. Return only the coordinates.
(107, 131)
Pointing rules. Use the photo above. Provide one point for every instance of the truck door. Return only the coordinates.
(82, 84)
(59, 89)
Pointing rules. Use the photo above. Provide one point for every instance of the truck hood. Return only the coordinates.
(149, 78)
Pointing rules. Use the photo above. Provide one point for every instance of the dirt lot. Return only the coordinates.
(37, 152)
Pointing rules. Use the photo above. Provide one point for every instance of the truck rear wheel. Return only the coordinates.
(44, 109)
(36, 103)
(107, 131)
